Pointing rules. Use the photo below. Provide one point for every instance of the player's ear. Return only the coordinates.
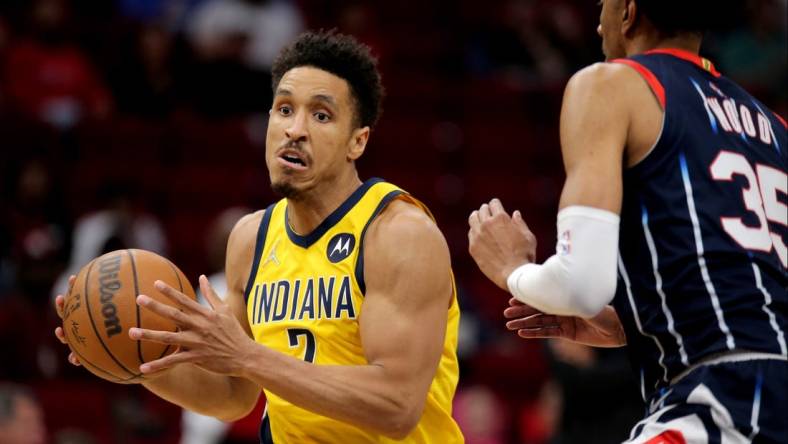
(628, 16)
(358, 143)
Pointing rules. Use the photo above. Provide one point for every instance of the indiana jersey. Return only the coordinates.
(304, 298)
(702, 264)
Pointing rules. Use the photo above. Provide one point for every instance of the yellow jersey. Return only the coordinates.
(304, 297)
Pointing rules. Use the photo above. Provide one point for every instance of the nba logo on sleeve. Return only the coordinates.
(340, 247)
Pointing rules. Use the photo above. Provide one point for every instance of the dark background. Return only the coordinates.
(137, 123)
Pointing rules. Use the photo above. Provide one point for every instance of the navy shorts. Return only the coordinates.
(728, 402)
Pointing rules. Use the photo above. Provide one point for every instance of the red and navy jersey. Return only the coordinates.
(702, 251)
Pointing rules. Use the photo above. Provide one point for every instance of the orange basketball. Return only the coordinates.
(101, 306)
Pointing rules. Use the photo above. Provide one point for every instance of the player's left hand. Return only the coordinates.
(211, 338)
(603, 330)
(499, 243)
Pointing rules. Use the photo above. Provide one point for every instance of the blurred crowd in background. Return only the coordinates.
(141, 124)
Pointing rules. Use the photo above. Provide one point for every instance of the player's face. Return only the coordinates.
(310, 131)
(610, 28)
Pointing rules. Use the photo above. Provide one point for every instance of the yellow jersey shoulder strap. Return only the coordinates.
(384, 193)
(262, 231)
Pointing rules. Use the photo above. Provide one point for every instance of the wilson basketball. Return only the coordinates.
(101, 306)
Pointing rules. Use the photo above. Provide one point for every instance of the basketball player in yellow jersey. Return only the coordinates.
(341, 303)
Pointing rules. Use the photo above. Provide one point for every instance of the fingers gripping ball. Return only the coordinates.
(101, 306)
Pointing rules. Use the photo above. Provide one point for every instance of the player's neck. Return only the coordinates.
(643, 43)
(306, 213)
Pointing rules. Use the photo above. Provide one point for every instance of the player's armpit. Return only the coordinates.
(409, 288)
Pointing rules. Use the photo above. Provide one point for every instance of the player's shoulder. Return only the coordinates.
(403, 218)
(607, 86)
(241, 247)
(607, 75)
(244, 233)
(405, 236)
(248, 224)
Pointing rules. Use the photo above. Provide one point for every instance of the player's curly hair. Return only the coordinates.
(696, 16)
(343, 56)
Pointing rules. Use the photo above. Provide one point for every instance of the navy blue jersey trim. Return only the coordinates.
(332, 219)
(265, 431)
(360, 260)
(262, 231)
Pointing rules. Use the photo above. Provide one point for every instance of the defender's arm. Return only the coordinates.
(608, 116)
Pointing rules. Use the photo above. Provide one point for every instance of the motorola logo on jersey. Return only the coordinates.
(340, 247)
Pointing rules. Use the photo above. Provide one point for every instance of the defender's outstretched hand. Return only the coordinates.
(499, 243)
(211, 338)
(603, 330)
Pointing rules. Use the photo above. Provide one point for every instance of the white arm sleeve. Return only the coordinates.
(580, 278)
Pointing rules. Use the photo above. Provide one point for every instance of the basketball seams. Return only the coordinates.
(93, 324)
(85, 362)
(175, 272)
(136, 306)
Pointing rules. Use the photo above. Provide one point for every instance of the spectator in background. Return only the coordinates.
(143, 78)
(122, 223)
(37, 223)
(599, 402)
(516, 49)
(266, 26)
(47, 77)
(754, 54)
(144, 11)
(21, 417)
(33, 250)
(481, 415)
(533, 44)
(196, 428)
(360, 19)
(5, 35)
(234, 43)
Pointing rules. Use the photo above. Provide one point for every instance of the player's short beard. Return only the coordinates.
(287, 190)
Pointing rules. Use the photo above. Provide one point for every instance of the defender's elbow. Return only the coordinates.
(591, 300)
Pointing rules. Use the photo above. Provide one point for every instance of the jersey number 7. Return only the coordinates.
(293, 335)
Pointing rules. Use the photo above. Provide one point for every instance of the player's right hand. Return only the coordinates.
(499, 243)
(59, 333)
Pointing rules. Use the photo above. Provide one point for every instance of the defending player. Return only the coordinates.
(341, 303)
(676, 182)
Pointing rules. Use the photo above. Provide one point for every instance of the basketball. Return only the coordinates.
(100, 308)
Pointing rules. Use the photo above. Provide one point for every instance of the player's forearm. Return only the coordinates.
(362, 395)
(224, 397)
(580, 279)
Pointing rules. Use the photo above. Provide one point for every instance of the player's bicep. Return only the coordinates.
(594, 127)
(408, 279)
